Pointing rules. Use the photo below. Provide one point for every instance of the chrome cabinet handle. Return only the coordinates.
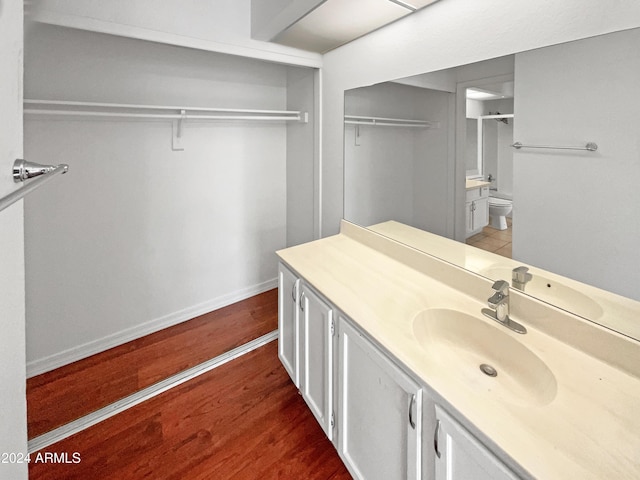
(302, 301)
(411, 421)
(293, 292)
(435, 438)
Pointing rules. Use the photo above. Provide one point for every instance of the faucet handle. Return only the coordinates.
(501, 286)
(519, 274)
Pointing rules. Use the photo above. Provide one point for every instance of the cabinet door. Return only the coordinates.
(316, 380)
(481, 213)
(288, 351)
(459, 456)
(380, 414)
(469, 217)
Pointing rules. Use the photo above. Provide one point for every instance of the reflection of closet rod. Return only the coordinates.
(388, 122)
(181, 113)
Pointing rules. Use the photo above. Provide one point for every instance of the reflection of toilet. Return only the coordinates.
(499, 208)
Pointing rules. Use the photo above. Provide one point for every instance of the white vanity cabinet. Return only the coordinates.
(379, 412)
(316, 356)
(384, 425)
(288, 321)
(477, 210)
(305, 343)
(460, 456)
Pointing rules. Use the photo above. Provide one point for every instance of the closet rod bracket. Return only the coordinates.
(178, 130)
(24, 170)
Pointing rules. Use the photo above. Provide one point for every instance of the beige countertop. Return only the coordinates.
(476, 184)
(586, 425)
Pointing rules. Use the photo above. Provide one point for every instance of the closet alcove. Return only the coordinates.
(140, 235)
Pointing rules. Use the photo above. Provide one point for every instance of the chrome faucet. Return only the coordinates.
(520, 277)
(499, 307)
(499, 301)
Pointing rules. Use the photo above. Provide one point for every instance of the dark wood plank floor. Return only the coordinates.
(243, 420)
(57, 397)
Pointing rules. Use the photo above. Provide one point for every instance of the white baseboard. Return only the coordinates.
(46, 364)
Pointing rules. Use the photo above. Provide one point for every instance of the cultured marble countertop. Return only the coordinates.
(471, 184)
(588, 427)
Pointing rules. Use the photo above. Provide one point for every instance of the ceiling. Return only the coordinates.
(335, 22)
(491, 91)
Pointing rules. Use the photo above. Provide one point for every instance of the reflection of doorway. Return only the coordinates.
(480, 103)
(495, 159)
(495, 153)
(477, 97)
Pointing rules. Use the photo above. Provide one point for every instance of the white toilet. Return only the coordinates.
(499, 208)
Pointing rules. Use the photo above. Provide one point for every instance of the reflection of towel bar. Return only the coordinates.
(591, 147)
(25, 170)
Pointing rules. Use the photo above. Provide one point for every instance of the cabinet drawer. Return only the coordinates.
(476, 193)
(473, 194)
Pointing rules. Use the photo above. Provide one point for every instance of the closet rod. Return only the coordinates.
(385, 124)
(404, 120)
(16, 195)
(155, 107)
(388, 122)
(171, 116)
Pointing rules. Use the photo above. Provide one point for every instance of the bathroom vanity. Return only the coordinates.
(476, 206)
(385, 344)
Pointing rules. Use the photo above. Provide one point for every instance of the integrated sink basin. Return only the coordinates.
(486, 357)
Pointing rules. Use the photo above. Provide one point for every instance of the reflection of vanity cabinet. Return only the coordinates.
(477, 209)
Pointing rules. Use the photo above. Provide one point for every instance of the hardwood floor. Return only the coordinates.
(243, 420)
(65, 394)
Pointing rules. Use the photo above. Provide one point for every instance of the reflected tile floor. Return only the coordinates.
(493, 240)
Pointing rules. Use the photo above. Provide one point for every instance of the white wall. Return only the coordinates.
(443, 35)
(302, 144)
(505, 158)
(576, 212)
(471, 142)
(13, 414)
(220, 25)
(137, 236)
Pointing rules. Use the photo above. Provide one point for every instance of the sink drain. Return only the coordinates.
(488, 370)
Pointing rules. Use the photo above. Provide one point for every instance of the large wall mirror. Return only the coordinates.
(433, 155)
